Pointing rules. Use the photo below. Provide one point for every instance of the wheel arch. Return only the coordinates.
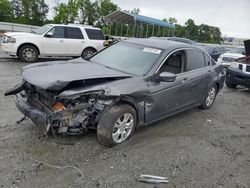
(20, 46)
(89, 47)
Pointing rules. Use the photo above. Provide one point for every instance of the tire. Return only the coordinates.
(110, 132)
(87, 53)
(28, 53)
(210, 97)
(230, 85)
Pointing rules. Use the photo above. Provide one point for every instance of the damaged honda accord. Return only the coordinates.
(129, 84)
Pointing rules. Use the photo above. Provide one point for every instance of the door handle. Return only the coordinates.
(209, 71)
(61, 40)
(184, 80)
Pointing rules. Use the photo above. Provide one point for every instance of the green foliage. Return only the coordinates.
(33, 12)
(66, 13)
(200, 33)
(5, 10)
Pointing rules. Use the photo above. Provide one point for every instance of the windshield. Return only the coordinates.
(42, 29)
(130, 58)
(238, 50)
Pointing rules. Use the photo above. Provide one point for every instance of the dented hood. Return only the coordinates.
(57, 75)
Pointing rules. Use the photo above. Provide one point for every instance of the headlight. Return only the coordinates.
(7, 39)
(234, 65)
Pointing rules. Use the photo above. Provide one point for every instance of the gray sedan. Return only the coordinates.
(129, 84)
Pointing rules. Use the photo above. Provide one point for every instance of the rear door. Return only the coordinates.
(198, 76)
(74, 41)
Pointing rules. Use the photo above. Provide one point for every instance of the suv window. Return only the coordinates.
(95, 34)
(57, 32)
(175, 63)
(195, 60)
(73, 33)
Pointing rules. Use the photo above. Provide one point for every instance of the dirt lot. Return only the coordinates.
(197, 148)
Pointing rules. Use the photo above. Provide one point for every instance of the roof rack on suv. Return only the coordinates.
(83, 25)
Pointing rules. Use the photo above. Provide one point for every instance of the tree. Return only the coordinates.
(172, 20)
(135, 11)
(66, 13)
(5, 10)
(106, 7)
(191, 30)
(33, 12)
(88, 12)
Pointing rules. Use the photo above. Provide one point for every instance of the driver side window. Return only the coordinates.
(57, 32)
(175, 63)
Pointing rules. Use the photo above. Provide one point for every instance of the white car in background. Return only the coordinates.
(227, 58)
(54, 40)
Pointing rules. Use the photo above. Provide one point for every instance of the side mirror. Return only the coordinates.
(49, 35)
(167, 77)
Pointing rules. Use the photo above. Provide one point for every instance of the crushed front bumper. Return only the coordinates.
(238, 77)
(41, 119)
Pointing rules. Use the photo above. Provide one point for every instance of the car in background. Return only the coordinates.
(177, 39)
(54, 40)
(214, 50)
(238, 72)
(227, 58)
(132, 83)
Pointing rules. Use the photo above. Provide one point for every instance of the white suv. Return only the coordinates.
(56, 40)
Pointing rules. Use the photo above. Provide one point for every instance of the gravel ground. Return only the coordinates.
(197, 148)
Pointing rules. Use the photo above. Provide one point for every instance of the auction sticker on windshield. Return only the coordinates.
(152, 50)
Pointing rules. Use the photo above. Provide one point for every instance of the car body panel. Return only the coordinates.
(153, 99)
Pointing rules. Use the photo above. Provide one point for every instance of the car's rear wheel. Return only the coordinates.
(28, 53)
(116, 125)
(230, 85)
(88, 52)
(210, 97)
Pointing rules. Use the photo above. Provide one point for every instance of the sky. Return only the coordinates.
(231, 16)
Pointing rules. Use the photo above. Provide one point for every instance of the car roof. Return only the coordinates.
(162, 44)
(76, 25)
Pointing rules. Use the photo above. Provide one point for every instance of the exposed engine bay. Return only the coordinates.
(74, 114)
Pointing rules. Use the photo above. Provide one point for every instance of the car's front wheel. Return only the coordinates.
(116, 125)
(210, 97)
(28, 53)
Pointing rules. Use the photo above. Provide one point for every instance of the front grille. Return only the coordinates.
(248, 68)
(240, 66)
(228, 59)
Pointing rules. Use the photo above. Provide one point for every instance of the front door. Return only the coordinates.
(53, 42)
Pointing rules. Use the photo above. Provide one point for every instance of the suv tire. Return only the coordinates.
(230, 85)
(28, 53)
(87, 53)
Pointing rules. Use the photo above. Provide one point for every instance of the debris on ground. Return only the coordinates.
(152, 179)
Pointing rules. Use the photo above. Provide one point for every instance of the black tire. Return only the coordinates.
(106, 127)
(205, 104)
(230, 85)
(28, 53)
(87, 53)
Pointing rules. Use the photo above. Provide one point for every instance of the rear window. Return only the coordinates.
(73, 33)
(95, 34)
